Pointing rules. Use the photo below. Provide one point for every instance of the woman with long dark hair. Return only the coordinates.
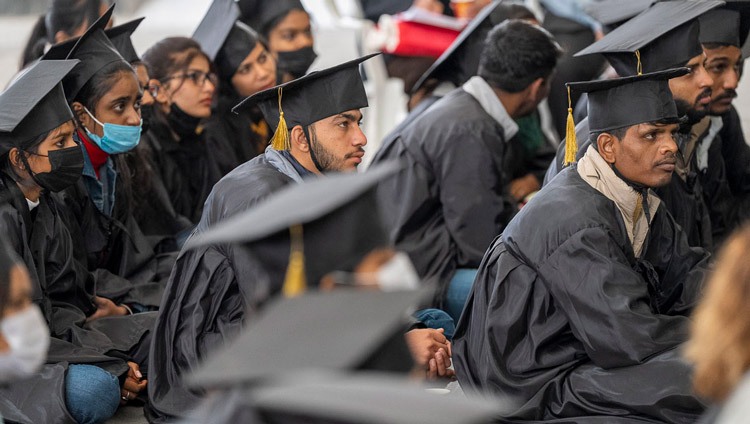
(65, 19)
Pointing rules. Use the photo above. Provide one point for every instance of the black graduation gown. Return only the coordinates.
(231, 137)
(123, 260)
(62, 288)
(450, 200)
(211, 291)
(186, 167)
(563, 318)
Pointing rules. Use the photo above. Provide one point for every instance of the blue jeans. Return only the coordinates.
(458, 291)
(92, 395)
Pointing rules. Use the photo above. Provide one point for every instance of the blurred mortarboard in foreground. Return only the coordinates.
(727, 25)
(335, 397)
(339, 215)
(93, 49)
(623, 102)
(225, 40)
(34, 103)
(310, 98)
(665, 36)
(615, 12)
(344, 329)
(460, 60)
(120, 38)
(258, 14)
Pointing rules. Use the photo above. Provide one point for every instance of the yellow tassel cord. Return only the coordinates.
(639, 65)
(280, 140)
(295, 282)
(571, 144)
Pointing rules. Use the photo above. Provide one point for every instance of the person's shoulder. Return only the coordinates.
(256, 173)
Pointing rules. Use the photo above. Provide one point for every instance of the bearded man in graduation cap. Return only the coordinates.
(579, 315)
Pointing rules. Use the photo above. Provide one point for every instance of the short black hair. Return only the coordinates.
(618, 133)
(516, 53)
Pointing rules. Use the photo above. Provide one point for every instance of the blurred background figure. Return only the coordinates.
(720, 342)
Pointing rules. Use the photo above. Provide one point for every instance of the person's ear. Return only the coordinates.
(606, 146)
(535, 88)
(298, 139)
(16, 162)
(82, 117)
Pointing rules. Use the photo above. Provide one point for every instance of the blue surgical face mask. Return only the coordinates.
(117, 138)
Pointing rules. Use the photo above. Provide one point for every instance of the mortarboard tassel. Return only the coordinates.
(639, 65)
(571, 144)
(295, 282)
(280, 140)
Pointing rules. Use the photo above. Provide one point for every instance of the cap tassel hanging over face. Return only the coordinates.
(295, 282)
(280, 140)
(571, 144)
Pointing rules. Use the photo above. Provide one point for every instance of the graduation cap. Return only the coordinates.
(310, 98)
(34, 103)
(339, 214)
(120, 35)
(258, 14)
(344, 329)
(93, 49)
(226, 41)
(336, 397)
(623, 102)
(615, 12)
(728, 25)
(460, 60)
(665, 36)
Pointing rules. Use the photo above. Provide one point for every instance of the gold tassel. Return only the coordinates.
(571, 144)
(280, 140)
(295, 282)
(639, 65)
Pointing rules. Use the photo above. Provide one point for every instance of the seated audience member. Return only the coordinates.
(719, 345)
(65, 19)
(104, 93)
(176, 144)
(285, 24)
(451, 199)
(89, 343)
(579, 315)
(308, 235)
(245, 67)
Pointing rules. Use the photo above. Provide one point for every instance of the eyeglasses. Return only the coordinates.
(197, 77)
(153, 88)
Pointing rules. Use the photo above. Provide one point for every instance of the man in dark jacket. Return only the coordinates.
(219, 286)
(578, 313)
(450, 200)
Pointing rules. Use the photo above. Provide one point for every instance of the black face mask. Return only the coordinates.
(147, 115)
(296, 62)
(67, 166)
(184, 125)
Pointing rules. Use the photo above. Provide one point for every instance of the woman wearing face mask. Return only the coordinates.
(64, 19)
(245, 67)
(39, 157)
(286, 26)
(106, 100)
(176, 141)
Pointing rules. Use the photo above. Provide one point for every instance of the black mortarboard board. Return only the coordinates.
(338, 397)
(120, 38)
(223, 38)
(310, 98)
(34, 103)
(338, 219)
(93, 49)
(460, 60)
(623, 102)
(260, 13)
(665, 36)
(614, 12)
(345, 329)
(728, 25)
